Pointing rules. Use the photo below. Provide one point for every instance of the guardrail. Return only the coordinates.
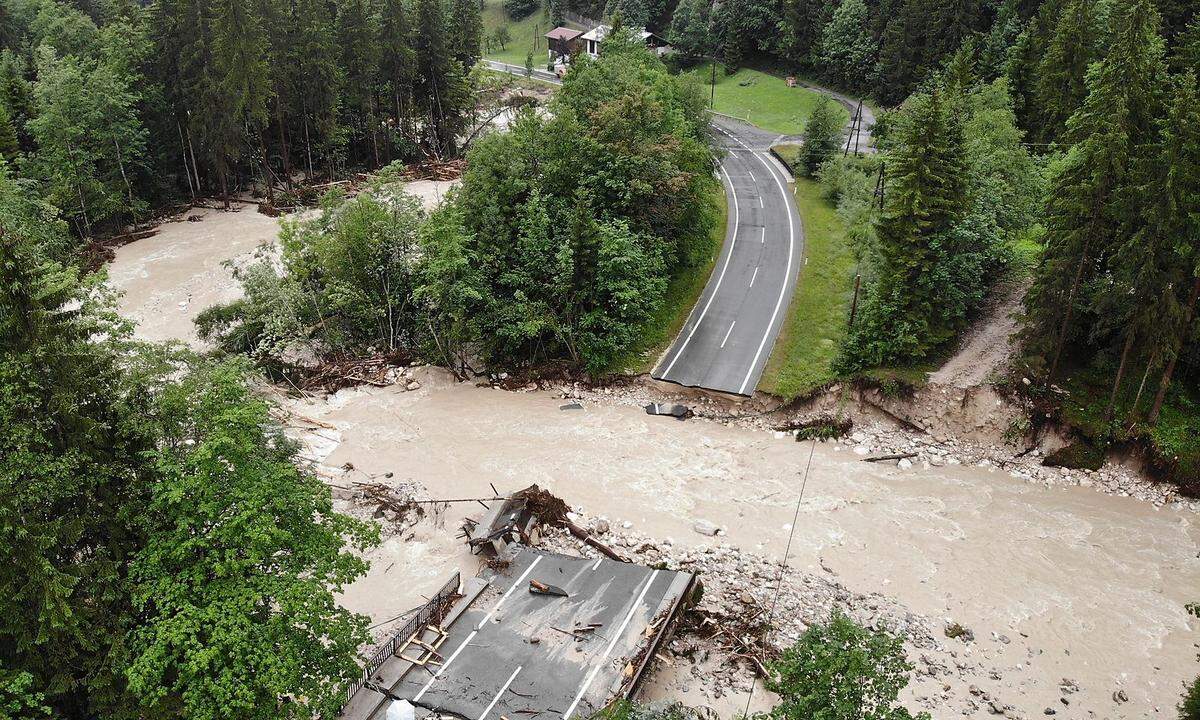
(431, 612)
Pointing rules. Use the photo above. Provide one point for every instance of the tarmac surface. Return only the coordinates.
(518, 654)
(725, 343)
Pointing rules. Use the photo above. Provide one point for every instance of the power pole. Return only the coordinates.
(712, 99)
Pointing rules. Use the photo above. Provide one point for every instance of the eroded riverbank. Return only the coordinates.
(1083, 585)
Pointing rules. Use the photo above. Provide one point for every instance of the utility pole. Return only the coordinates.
(854, 304)
(712, 99)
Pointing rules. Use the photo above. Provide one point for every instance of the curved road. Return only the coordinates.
(725, 343)
(728, 338)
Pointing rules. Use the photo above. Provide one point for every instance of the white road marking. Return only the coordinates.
(752, 177)
(611, 643)
(786, 275)
(752, 278)
(442, 669)
(598, 561)
(763, 238)
(496, 699)
(724, 267)
(760, 201)
(504, 597)
(727, 332)
(478, 627)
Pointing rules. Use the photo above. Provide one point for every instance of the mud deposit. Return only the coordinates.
(1063, 587)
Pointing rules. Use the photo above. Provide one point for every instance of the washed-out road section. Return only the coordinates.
(725, 343)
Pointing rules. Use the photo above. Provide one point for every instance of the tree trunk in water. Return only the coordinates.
(1112, 398)
(1161, 395)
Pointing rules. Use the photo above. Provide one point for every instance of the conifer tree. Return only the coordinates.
(440, 83)
(311, 81)
(234, 86)
(1117, 120)
(9, 147)
(1167, 258)
(357, 37)
(822, 135)
(926, 196)
(689, 28)
(395, 40)
(1060, 88)
(468, 27)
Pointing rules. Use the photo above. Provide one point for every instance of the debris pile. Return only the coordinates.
(333, 374)
(433, 169)
(727, 639)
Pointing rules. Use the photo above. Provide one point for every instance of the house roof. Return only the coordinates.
(563, 33)
(600, 32)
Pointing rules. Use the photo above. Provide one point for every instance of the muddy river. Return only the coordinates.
(1082, 585)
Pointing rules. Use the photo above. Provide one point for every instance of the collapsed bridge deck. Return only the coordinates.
(507, 651)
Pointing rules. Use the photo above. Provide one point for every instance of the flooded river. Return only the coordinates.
(1081, 585)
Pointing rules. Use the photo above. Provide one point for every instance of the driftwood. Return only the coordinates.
(897, 456)
(586, 536)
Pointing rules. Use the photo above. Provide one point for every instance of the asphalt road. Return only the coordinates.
(728, 338)
(725, 343)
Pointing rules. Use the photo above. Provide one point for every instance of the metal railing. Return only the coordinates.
(431, 612)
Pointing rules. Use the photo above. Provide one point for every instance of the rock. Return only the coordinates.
(1120, 697)
(904, 464)
(1049, 711)
(626, 525)
(861, 450)
(412, 385)
(704, 527)
(601, 526)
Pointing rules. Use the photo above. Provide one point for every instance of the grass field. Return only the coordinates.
(682, 293)
(526, 35)
(804, 353)
(762, 99)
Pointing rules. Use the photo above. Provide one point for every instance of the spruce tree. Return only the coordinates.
(395, 41)
(822, 135)
(234, 86)
(9, 147)
(1116, 122)
(440, 81)
(1075, 44)
(468, 27)
(926, 196)
(358, 40)
(1167, 256)
(311, 82)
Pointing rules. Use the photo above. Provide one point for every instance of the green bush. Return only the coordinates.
(1189, 709)
(841, 671)
(520, 9)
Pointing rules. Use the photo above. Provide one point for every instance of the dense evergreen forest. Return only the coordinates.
(117, 108)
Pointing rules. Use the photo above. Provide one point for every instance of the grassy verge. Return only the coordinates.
(526, 34)
(682, 293)
(802, 359)
(763, 99)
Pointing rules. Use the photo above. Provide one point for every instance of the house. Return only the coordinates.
(592, 39)
(562, 42)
